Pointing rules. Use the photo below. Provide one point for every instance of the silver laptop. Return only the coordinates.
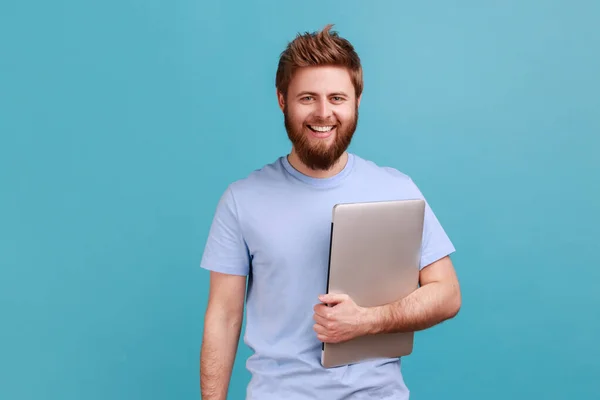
(375, 252)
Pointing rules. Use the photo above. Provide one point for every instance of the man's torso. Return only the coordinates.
(284, 218)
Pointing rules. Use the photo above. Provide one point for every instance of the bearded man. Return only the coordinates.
(268, 247)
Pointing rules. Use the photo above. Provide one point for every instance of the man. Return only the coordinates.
(272, 228)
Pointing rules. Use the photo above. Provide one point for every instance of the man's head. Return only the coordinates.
(319, 85)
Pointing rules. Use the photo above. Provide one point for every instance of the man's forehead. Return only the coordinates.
(322, 80)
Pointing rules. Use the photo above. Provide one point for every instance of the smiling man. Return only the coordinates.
(268, 247)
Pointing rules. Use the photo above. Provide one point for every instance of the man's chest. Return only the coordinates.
(279, 234)
(293, 231)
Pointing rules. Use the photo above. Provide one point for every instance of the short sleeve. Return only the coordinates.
(225, 250)
(436, 244)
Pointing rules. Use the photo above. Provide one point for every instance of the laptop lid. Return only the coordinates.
(375, 253)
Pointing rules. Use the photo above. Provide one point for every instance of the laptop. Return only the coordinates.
(375, 251)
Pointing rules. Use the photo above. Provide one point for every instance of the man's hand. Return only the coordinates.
(438, 299)
(339, 319)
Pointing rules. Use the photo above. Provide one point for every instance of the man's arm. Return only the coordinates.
(222, 326)
(436, 300)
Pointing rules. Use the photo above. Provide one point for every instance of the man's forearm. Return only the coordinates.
(427, 306)
(219, 346)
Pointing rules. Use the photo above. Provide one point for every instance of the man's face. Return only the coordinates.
(320, 114)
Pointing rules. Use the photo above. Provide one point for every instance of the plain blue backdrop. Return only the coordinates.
(123, 121)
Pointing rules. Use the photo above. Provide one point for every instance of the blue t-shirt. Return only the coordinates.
(274, 227)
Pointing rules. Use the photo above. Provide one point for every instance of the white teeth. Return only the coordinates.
(322, 128)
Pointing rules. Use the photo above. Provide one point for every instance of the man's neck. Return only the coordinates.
(339, 165)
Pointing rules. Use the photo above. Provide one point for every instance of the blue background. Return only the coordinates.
(123, 121)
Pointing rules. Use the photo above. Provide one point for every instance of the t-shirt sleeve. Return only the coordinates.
(436, 244)
(225, 250)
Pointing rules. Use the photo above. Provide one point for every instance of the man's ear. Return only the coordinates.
(358, 100)
(280, 100)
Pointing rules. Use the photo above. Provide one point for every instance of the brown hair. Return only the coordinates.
(316, 49)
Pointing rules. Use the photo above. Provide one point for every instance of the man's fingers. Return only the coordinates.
(320, 319)
(333, 298)
(320, 329)
(322, 334)
(327, 339)
(323, 338)
(322, 310)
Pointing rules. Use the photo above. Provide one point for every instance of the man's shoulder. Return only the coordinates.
(385, 171)
(268, 175)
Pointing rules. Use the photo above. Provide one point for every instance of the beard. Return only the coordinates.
(320, 155)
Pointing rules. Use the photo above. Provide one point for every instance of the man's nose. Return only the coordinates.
(323, 109)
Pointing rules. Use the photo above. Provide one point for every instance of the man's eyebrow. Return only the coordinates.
(339, 94)
(305, 93)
